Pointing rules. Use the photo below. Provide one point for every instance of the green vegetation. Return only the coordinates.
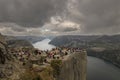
(56, 65)
(47, 73)
(42, 58)
(30, 75)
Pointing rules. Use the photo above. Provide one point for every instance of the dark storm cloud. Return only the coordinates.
(29, 13)
(93, 16)
(98, 16)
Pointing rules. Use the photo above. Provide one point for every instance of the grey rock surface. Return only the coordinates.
(74, 68)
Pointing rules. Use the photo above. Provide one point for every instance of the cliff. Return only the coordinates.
(9, 66)
(6, 67)
(74, 68)
(106, 47)
(3, 50)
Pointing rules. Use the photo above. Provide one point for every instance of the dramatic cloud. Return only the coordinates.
(34, 17)
(29, 13)
(19, 31)
(65, 26)
(96, 16)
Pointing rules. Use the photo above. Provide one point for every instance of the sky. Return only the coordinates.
(59, 17)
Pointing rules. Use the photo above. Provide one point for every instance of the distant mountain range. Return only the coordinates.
(22, 41)
(104, 41)
(31, 39)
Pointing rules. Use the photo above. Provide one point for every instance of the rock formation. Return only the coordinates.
(3, 50)
(74, 68)
(5, 67)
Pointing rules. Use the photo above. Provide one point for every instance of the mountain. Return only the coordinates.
(22, 41)
(31, 39)
(104, 41)
(73, 40)
(19, 43)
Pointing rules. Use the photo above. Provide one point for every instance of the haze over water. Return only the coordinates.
(44, 45)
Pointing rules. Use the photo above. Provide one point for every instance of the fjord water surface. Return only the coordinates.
(99, 69)
(44, 45)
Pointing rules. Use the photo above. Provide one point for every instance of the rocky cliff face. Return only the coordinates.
(74, 68)
(5, 66)
(8, 68)
(3, 50)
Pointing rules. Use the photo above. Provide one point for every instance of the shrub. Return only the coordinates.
(56, 65)
(30, 75)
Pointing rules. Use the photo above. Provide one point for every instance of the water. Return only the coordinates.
(44, 45)
(97, 69)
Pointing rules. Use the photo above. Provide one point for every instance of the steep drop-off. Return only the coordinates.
(74, 68)
(10, 67)
(6, 68)
(3, 50)
(106, 47)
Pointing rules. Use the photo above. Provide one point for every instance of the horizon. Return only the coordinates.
(63, 35)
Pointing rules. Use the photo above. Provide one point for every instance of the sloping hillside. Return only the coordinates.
(3, 50)
(66, 39)
(31, 39)
(111, 42)
(19, 43)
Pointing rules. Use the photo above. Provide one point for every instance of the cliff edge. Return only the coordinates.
(74, 68)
